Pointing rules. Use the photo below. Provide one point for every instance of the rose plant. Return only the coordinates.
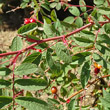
(61, 59)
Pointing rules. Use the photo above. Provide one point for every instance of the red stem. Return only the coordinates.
(13, 87)
(18, 93)
(108, 2)
(50, 39)
(106, 17)
(14, 63)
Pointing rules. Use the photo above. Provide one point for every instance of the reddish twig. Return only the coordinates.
(14, 63)
(19, 93)
(108, 2)
(13, 87)
(5, 62)
(98, 79)
(50, 39)
(106, 17)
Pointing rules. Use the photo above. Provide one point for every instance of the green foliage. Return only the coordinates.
(16, 44)
(51, 63)
(103, 38)
(83, 41)
(27, 28)
(63, 53)
(4, 71)
(105, 100)
(85, 73)
(71, 105)
(48, 29)
(71, 49)
(69, 19)
(79, 22)
(4, 83)
(31, 84)
(104, 10)
(33, 58)
(99, 2)
(107, 28)
(82, 3)
(4, 101)
(74, 10)
(25, 68)
(80, 57)
(32, 103)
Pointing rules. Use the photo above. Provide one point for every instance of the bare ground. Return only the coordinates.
(6, 38)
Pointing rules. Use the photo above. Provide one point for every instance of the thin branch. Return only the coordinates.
(50, 39)
(108, 2)
(13, 86)
(98, 79)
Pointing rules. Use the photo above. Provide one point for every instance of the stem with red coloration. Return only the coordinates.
(50, 39)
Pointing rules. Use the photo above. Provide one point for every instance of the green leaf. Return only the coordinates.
(85, 73)
(69, 19)
(107, 28)
(80, 57)
(96, 22)
(58, 6)
(87, 33)
(103, 49)
(63, 53)
(31, 84)
(25, 68)
(55, 67)
(4, 71)
(4, 83)
(16, 44)
(48, 29)
(71, 105)
(47, 20)
(63, 91)
(53, 5)
(79, 22)
(5, 101)
(53, 15)
(50, 61)
(32, 103)
(100, 60)
(52, 101)
(106, 95)
(33, 58)
(74, 10)
(45, 6)
(105, 102)
(83, 41)
(99, 2)
(103, 38)
(82, 3)
(59, 27)
(23, 4)
(25, 29)
(104, 10)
